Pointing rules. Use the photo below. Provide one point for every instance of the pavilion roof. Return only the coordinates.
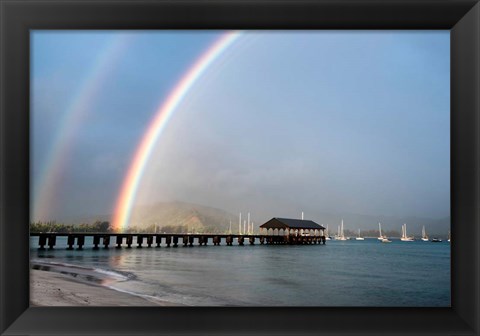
(290, 223)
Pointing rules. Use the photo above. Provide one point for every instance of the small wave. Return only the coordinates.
(74, 270)
(62, 264)
(151, 298)
(115, 274)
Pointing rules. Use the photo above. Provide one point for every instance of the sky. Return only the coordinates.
(278, 123)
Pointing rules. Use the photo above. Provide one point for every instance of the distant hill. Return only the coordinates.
(182, 217)
(170, 217)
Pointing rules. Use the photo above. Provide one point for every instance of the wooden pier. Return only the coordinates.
(139, 240)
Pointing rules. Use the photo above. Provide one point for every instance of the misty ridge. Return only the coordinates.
(179, 217)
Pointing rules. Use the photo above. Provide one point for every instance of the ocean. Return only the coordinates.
(341, 273)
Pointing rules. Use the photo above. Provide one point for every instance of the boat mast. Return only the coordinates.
(240, 224)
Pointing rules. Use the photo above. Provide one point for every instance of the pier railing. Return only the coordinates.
(77, 240)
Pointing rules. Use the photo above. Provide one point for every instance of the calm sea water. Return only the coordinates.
(340, 273)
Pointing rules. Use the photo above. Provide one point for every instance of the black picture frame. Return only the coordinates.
(18, 17)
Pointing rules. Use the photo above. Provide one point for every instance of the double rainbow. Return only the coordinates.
(160, 120)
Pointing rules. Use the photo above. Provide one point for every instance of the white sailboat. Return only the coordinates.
(359, 236)
(341, 235)
(448, 240)
(405, 238)
(337, 235)
(327, 236)
(380, 236)
(424, 235)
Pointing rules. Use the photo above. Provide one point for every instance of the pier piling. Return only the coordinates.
(129, 241)
(52, 239)
(96, 242)
(80, 242)
(70, 242)
(119, 241)
(149, 241)
(42, 241)
(106, 241)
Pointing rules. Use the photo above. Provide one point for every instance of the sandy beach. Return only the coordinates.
(56, 289)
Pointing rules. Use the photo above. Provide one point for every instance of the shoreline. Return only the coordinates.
(49, 288)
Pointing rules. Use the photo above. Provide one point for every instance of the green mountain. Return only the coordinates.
(177, 217)
(181, 217)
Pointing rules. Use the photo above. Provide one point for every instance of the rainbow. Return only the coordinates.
(45, 188)
(142, 154)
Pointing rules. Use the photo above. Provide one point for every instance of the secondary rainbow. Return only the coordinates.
(47, 184)
(164, 112)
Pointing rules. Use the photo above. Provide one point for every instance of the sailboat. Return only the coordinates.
(337, 235)
(359, 237)
(327, 236)
(448, 240)
(341, 235)
(380, 236)
(404, 234)
(424, 235)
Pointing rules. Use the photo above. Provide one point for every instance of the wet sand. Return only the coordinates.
(56, 289)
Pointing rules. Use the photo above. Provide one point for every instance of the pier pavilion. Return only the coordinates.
(294, 231)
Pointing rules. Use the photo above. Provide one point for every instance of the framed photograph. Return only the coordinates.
(239, 168)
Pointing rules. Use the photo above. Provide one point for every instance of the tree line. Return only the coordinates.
(53, 226)
(105, 227)
(175, 229)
